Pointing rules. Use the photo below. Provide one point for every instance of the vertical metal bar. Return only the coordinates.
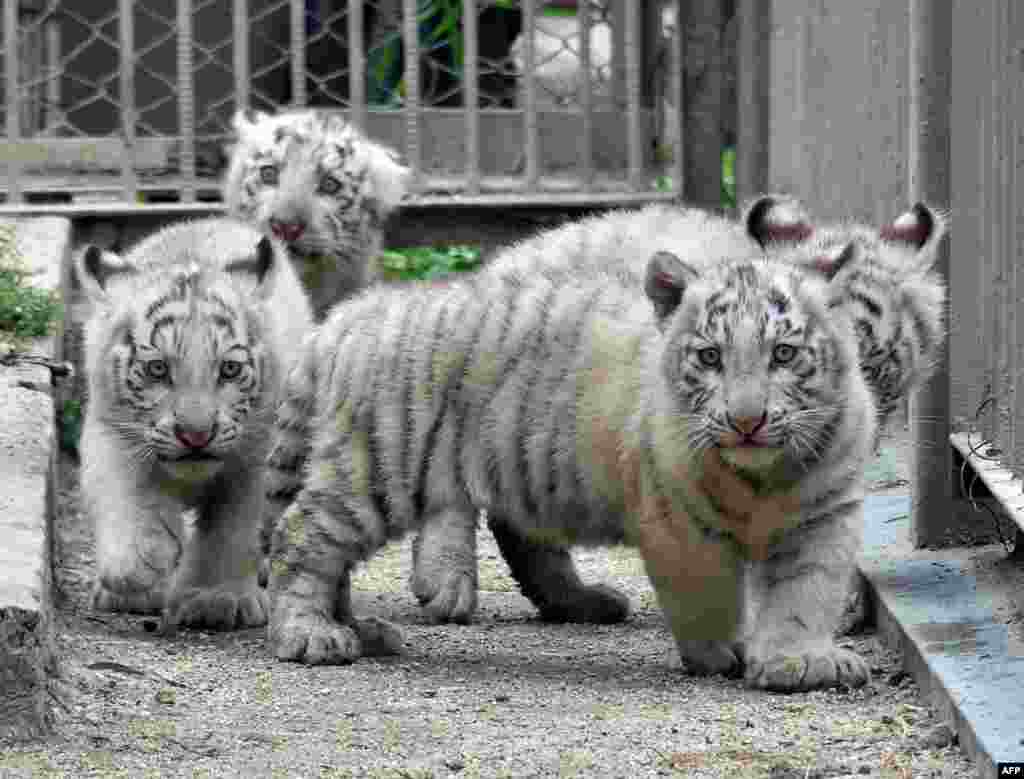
(987, 289)
(531, 133)
(999, 332)
(52, 73)
(700, 101)
(356, 65)
(1004, 220)
(753, 85)
(1015, 227)
(298, 29)
(11, 92)
(126, 25)
(676, 88)
(471, 95)
(186, 102)
(928, 169)
(411, 44)
(584, 14)
(634, 144)
(241, 53)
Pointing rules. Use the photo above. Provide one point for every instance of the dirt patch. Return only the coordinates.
(505, 696)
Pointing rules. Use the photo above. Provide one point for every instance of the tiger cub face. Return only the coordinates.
(894, 295)
(752, 357)
(311, 180)
(177, 359)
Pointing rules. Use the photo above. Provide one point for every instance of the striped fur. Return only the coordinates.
(186, 351)
(560, 403)
(315, 173)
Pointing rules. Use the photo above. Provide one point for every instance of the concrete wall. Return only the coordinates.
(838, 111)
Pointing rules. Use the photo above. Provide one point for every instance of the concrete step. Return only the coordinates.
(953, 620)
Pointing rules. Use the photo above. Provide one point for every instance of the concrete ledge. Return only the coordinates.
(27, 463)
(928, 603)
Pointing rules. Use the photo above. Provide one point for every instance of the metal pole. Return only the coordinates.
(753, 86)
(186, 102)
(929, 123)
(470, 80)
(240, 17)
(12, 92)
(357, 65)
(128, 114)
(700, 100)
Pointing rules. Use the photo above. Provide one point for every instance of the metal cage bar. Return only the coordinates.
(585, 18)
(410, 38)
(298, 52)
(471, 95)
(531, 130)
(240, 25)
(53, 91)
(631, 28)
(186, 102)
(357, 64)
(126, 27)
(11, 93)
(676, 78)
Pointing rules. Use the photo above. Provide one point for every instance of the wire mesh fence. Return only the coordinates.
(131, 100)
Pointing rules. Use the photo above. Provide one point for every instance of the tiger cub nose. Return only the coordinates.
(194, 439)
(748, 426)
(287, 231)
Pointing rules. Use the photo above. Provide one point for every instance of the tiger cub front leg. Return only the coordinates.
(547, 575)
(804, 588)
(216, 584)
(699, 580)
(444, 566)
(138, 544)
(317, 542)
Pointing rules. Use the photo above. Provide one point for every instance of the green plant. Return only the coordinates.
(428, 262)
(664, 183)
(729, 178)
(25, 311)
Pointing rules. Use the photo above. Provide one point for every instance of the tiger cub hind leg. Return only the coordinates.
(444, 575)
(546, 575)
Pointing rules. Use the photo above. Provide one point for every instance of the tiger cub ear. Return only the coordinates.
(777, 219)
(389, 179)
(97, 269)
(919, 229)
(258, 265)
(665, 282)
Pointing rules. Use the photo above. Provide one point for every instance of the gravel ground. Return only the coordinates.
(506, 696)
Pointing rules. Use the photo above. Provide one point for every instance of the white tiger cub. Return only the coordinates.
(321, 187)
(897, 300)
(896, 296)
(560, 403)
(186, 351)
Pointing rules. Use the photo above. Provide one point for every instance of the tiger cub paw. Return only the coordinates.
(596, 604)
(801, 668)
(707, 658)
(453, 601)
(313, 639)
(218, 608)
